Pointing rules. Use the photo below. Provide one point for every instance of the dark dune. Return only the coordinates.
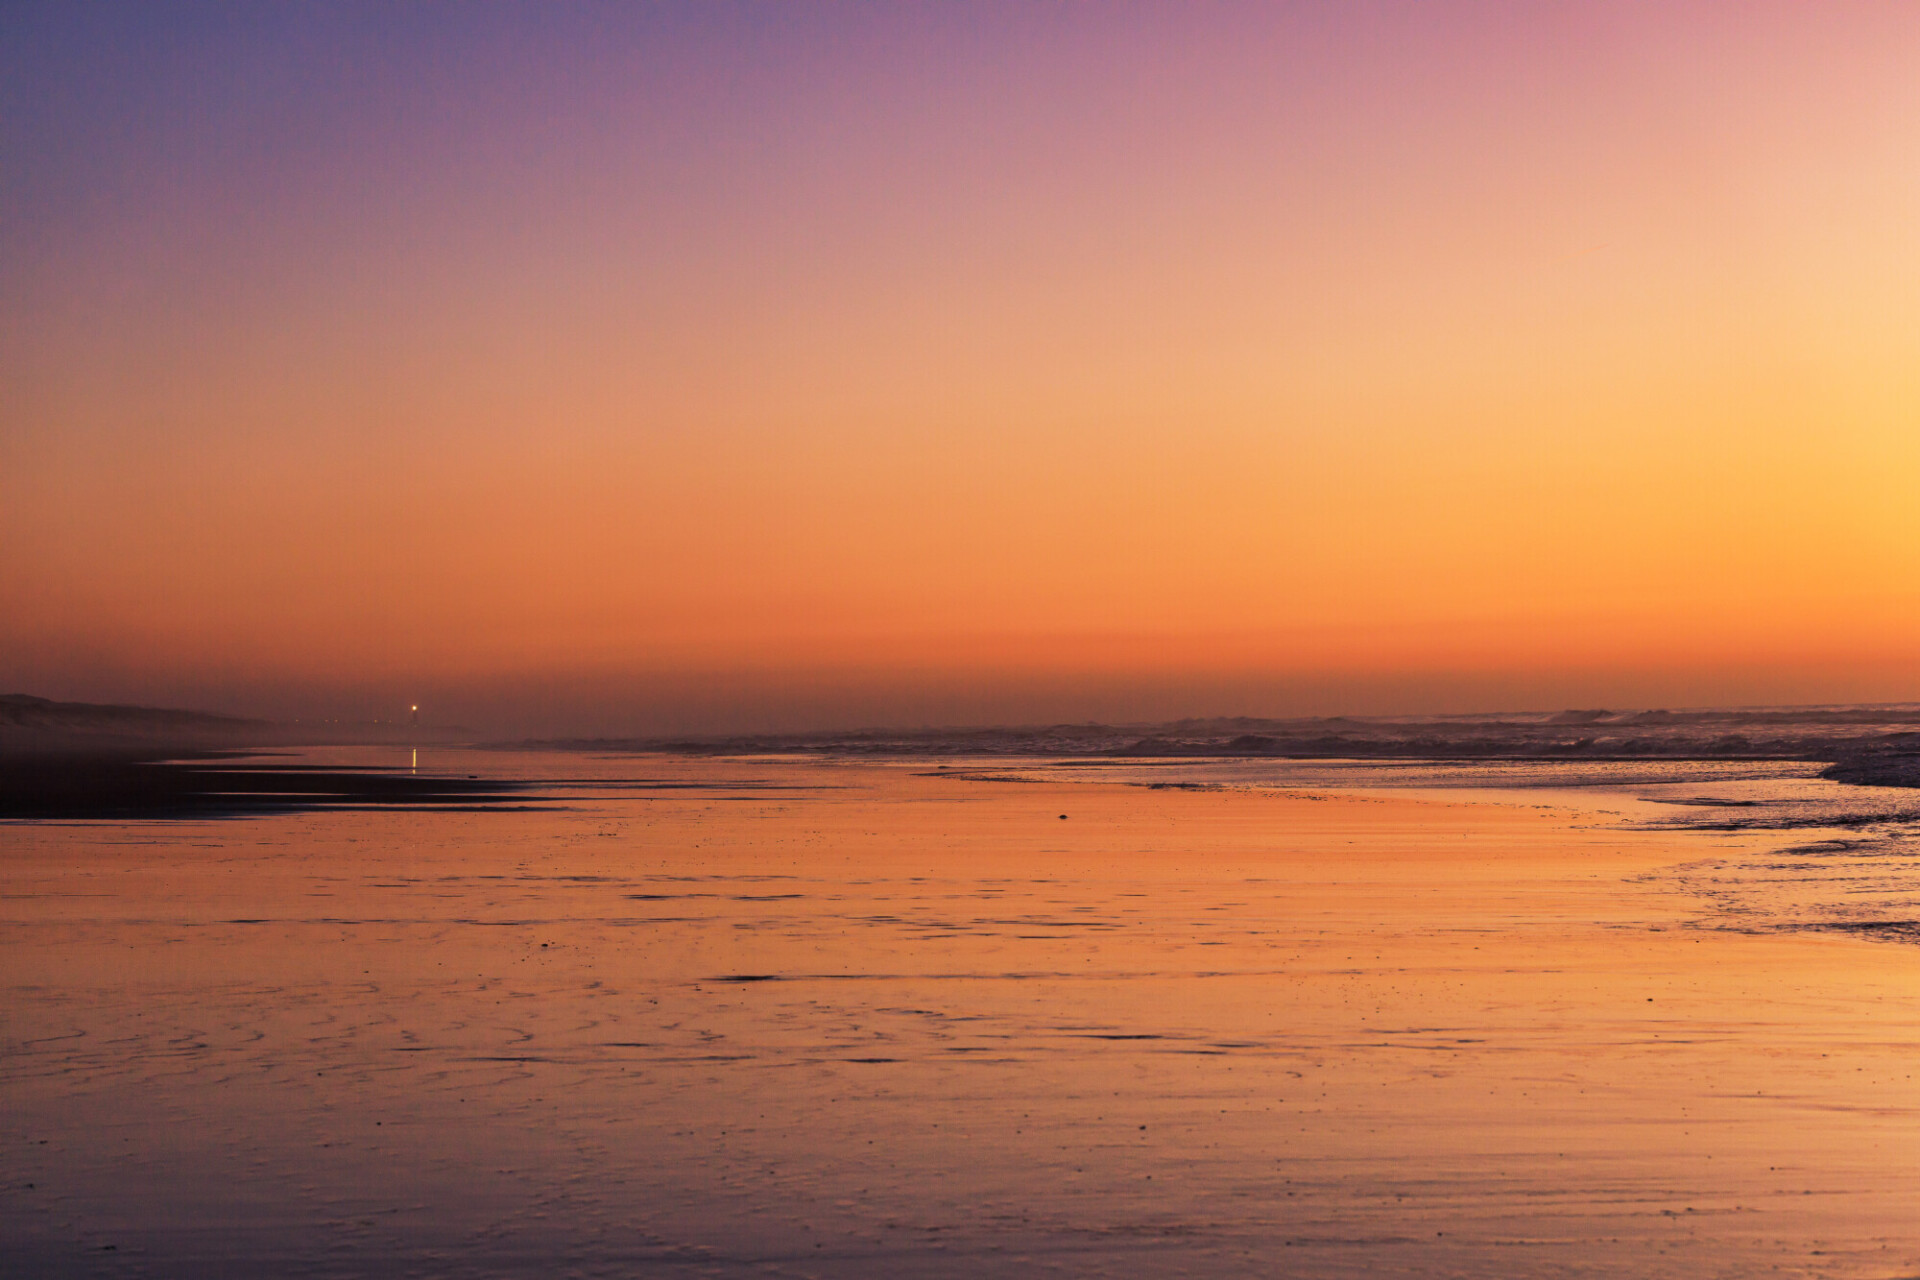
(41, 726)
(23, 711)
(37, 726)
(76, 760)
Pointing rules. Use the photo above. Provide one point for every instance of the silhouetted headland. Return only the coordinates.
(71, 760)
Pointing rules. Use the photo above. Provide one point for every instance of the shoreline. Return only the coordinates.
(720, 1011)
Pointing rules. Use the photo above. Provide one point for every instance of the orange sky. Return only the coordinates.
(718, 368)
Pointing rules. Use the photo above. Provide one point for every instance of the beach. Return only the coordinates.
(817, 1017)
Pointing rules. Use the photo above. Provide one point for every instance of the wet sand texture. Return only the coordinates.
(775, 1019)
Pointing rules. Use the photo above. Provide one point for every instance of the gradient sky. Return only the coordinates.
(705, 366)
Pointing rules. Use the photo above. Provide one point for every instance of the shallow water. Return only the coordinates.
(771, 1017)
(1853, 866)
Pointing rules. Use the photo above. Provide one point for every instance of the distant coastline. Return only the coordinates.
(64, 761)
(41, 726)
(87, 760)
(1866, 745)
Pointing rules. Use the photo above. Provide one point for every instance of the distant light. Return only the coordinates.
(414, 708)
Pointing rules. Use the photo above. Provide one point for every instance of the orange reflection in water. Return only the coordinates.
(777, 1017)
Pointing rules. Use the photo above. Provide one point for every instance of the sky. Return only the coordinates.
(709, 367)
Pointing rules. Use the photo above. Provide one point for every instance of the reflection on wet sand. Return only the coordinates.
(768, 1017)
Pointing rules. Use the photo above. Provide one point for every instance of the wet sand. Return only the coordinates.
(763, 1017)
(159, 782)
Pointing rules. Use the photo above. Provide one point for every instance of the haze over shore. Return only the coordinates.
(1862, 743)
